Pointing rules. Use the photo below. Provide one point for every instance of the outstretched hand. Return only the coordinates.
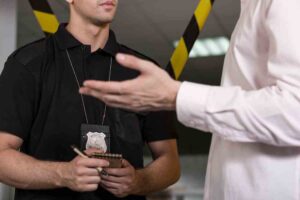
(152, 90)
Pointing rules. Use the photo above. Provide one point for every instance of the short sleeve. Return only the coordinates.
(17, 88)
(159, 126)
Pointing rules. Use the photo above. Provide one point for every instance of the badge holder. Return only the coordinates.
(95, 136)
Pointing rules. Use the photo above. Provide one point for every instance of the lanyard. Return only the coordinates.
(82, 99)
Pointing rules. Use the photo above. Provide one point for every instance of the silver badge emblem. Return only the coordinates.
(96, 140)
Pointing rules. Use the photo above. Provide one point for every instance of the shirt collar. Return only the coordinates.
(66, 40)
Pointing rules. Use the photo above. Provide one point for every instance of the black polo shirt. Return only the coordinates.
(40, 103)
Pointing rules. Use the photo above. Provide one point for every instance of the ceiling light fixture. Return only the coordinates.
(206, 47)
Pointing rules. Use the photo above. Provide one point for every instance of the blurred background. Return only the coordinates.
(153, 28)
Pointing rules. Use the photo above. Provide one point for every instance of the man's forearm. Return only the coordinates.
(157, 176)
(22, 171)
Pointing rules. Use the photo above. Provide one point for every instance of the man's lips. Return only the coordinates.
(107, 3)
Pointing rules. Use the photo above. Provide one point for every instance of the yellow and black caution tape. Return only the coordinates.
(185, 45)
(45, 16)
(49, 25)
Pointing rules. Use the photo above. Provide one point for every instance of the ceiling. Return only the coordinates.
(151, 26)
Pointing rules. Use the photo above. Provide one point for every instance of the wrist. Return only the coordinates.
(61, 180)
(138, 182)
(173, 94)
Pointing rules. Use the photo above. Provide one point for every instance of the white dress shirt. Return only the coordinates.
(255, 115)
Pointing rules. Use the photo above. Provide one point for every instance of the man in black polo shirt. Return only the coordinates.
(42, 114)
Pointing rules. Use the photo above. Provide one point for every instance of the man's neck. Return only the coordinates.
(89, 34)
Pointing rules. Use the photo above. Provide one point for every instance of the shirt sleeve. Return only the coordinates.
(159, 126)
(269, 115)
(17, 88)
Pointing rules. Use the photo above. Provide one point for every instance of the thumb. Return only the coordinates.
(125, 163)
(135, 63)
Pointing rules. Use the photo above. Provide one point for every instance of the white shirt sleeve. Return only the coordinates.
(269, 115)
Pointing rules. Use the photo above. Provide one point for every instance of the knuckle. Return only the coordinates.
(78, 171)
(122, 188)
(123, 89)
(95, 187)
(102, 163)
(126, 181)
(105, 98)
(130, 182)
(78, 162)
(99, 180)
(91, 188)
(77, 181)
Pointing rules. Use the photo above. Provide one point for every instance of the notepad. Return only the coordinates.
(115, 160)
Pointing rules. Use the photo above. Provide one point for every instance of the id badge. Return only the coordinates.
(95, 136)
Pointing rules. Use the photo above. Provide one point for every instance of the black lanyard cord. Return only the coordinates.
(82, 99)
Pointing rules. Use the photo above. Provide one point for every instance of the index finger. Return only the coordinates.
(134, 63)
(111, 87)
(92, 162)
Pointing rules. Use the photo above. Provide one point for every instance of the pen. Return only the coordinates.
(76, 150)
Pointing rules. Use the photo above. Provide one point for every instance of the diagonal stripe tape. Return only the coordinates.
(196, 24)
(202, 12)
(191, 33)
(170, 69)
(45, 16)
(179, 58)
(40, 5)
(48, 22)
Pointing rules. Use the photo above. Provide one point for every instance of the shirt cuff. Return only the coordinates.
(191, 105)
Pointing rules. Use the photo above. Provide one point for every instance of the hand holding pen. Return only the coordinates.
(82, 174)
(76, 150)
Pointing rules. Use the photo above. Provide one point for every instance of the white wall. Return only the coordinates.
(8, 26)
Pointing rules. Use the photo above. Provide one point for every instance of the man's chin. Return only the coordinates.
(102, 22)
